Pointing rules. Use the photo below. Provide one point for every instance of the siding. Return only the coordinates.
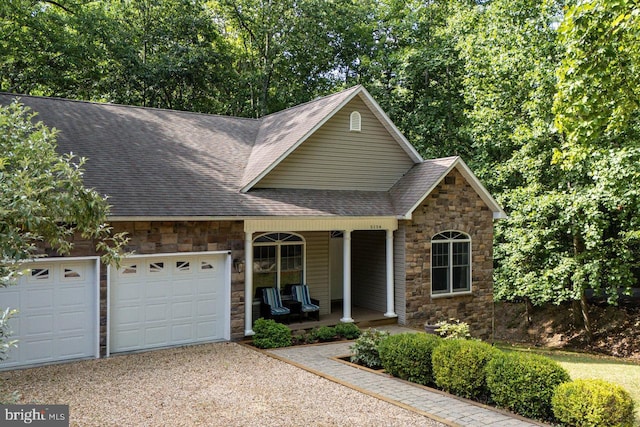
(368, 270)
(400, 284)
(318, 268)
(335, 158)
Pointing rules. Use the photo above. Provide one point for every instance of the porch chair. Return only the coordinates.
(310, 306)
(274, 308)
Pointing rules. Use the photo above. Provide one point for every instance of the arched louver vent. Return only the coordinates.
(355, 123)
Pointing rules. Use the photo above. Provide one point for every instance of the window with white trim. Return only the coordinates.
(450, 263)
(278, 260)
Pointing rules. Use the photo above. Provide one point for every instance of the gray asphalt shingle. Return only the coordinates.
(163, 163)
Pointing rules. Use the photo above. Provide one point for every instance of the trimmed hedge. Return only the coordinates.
(459, 367)
(408, 356)
(586, 403)
(525, 383)
(270, 334)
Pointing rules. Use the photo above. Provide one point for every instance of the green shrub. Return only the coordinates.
(453, 330)
(5, 333)
(270, 334)
(365, 348)
(586, 403)
(348, 330)
(325, 333)
(408, 356)
(459, 367)
(525, 383)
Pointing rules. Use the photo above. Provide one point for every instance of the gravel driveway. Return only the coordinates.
(221, 384)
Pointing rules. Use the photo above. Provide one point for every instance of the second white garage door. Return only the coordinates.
(162, 301)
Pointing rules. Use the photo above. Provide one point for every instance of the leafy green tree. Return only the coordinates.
(167, 53)
(42, 198)
(415, 71)
(570, 189)
(287, 52)
(598, 98)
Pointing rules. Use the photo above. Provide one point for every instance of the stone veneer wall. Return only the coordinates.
(451, 206)
(177, 236)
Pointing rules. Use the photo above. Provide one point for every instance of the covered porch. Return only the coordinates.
(347, 264)
(363, 317)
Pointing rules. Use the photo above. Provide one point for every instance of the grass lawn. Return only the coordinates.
(580, 365)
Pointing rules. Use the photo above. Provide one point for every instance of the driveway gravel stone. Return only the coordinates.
(218, 384)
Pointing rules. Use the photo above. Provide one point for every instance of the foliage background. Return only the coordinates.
(540, 97)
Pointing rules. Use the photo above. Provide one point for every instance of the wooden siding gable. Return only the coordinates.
(321, 165)
(337, 158)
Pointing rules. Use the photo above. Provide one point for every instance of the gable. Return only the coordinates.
(418, 183)
(336, 158)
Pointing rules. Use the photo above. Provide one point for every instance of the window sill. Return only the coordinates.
(451, 295)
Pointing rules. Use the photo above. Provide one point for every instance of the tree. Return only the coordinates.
(288, 52)
(42, 198)
(167, 54)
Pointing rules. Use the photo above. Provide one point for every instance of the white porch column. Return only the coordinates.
(346, 279)
(390, 291)
(248, 284)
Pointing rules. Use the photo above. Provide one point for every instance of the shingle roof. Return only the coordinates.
(164, 163)
(419, 182)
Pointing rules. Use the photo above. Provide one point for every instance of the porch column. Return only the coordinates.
(346, 279)
(248, 284)
(390, 292)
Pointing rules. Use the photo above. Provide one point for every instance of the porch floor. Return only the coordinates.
(363, 317)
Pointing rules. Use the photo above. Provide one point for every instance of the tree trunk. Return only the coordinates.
(528, 309)
(578, 247)
(584, 308)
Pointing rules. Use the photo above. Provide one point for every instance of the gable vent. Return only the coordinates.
(355, 122)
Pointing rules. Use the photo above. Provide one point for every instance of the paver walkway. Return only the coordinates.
(319, 359)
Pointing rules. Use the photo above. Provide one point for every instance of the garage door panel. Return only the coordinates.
(205, 328)
(57, 319)
(157, 336)
(182, 310)
(157, 289)
(71, 347)
(182, 333)
(156, 312)
(37, 351)
(182, 297)
(129, 315)
(75, 295)
(39, 298)
(71, 321)
(38, 323)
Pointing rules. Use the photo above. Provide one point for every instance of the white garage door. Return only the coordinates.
(57, 320)
(163, 301)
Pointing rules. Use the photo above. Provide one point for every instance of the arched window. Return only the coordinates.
(278, 260)
(355, 122)
(450, 263)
